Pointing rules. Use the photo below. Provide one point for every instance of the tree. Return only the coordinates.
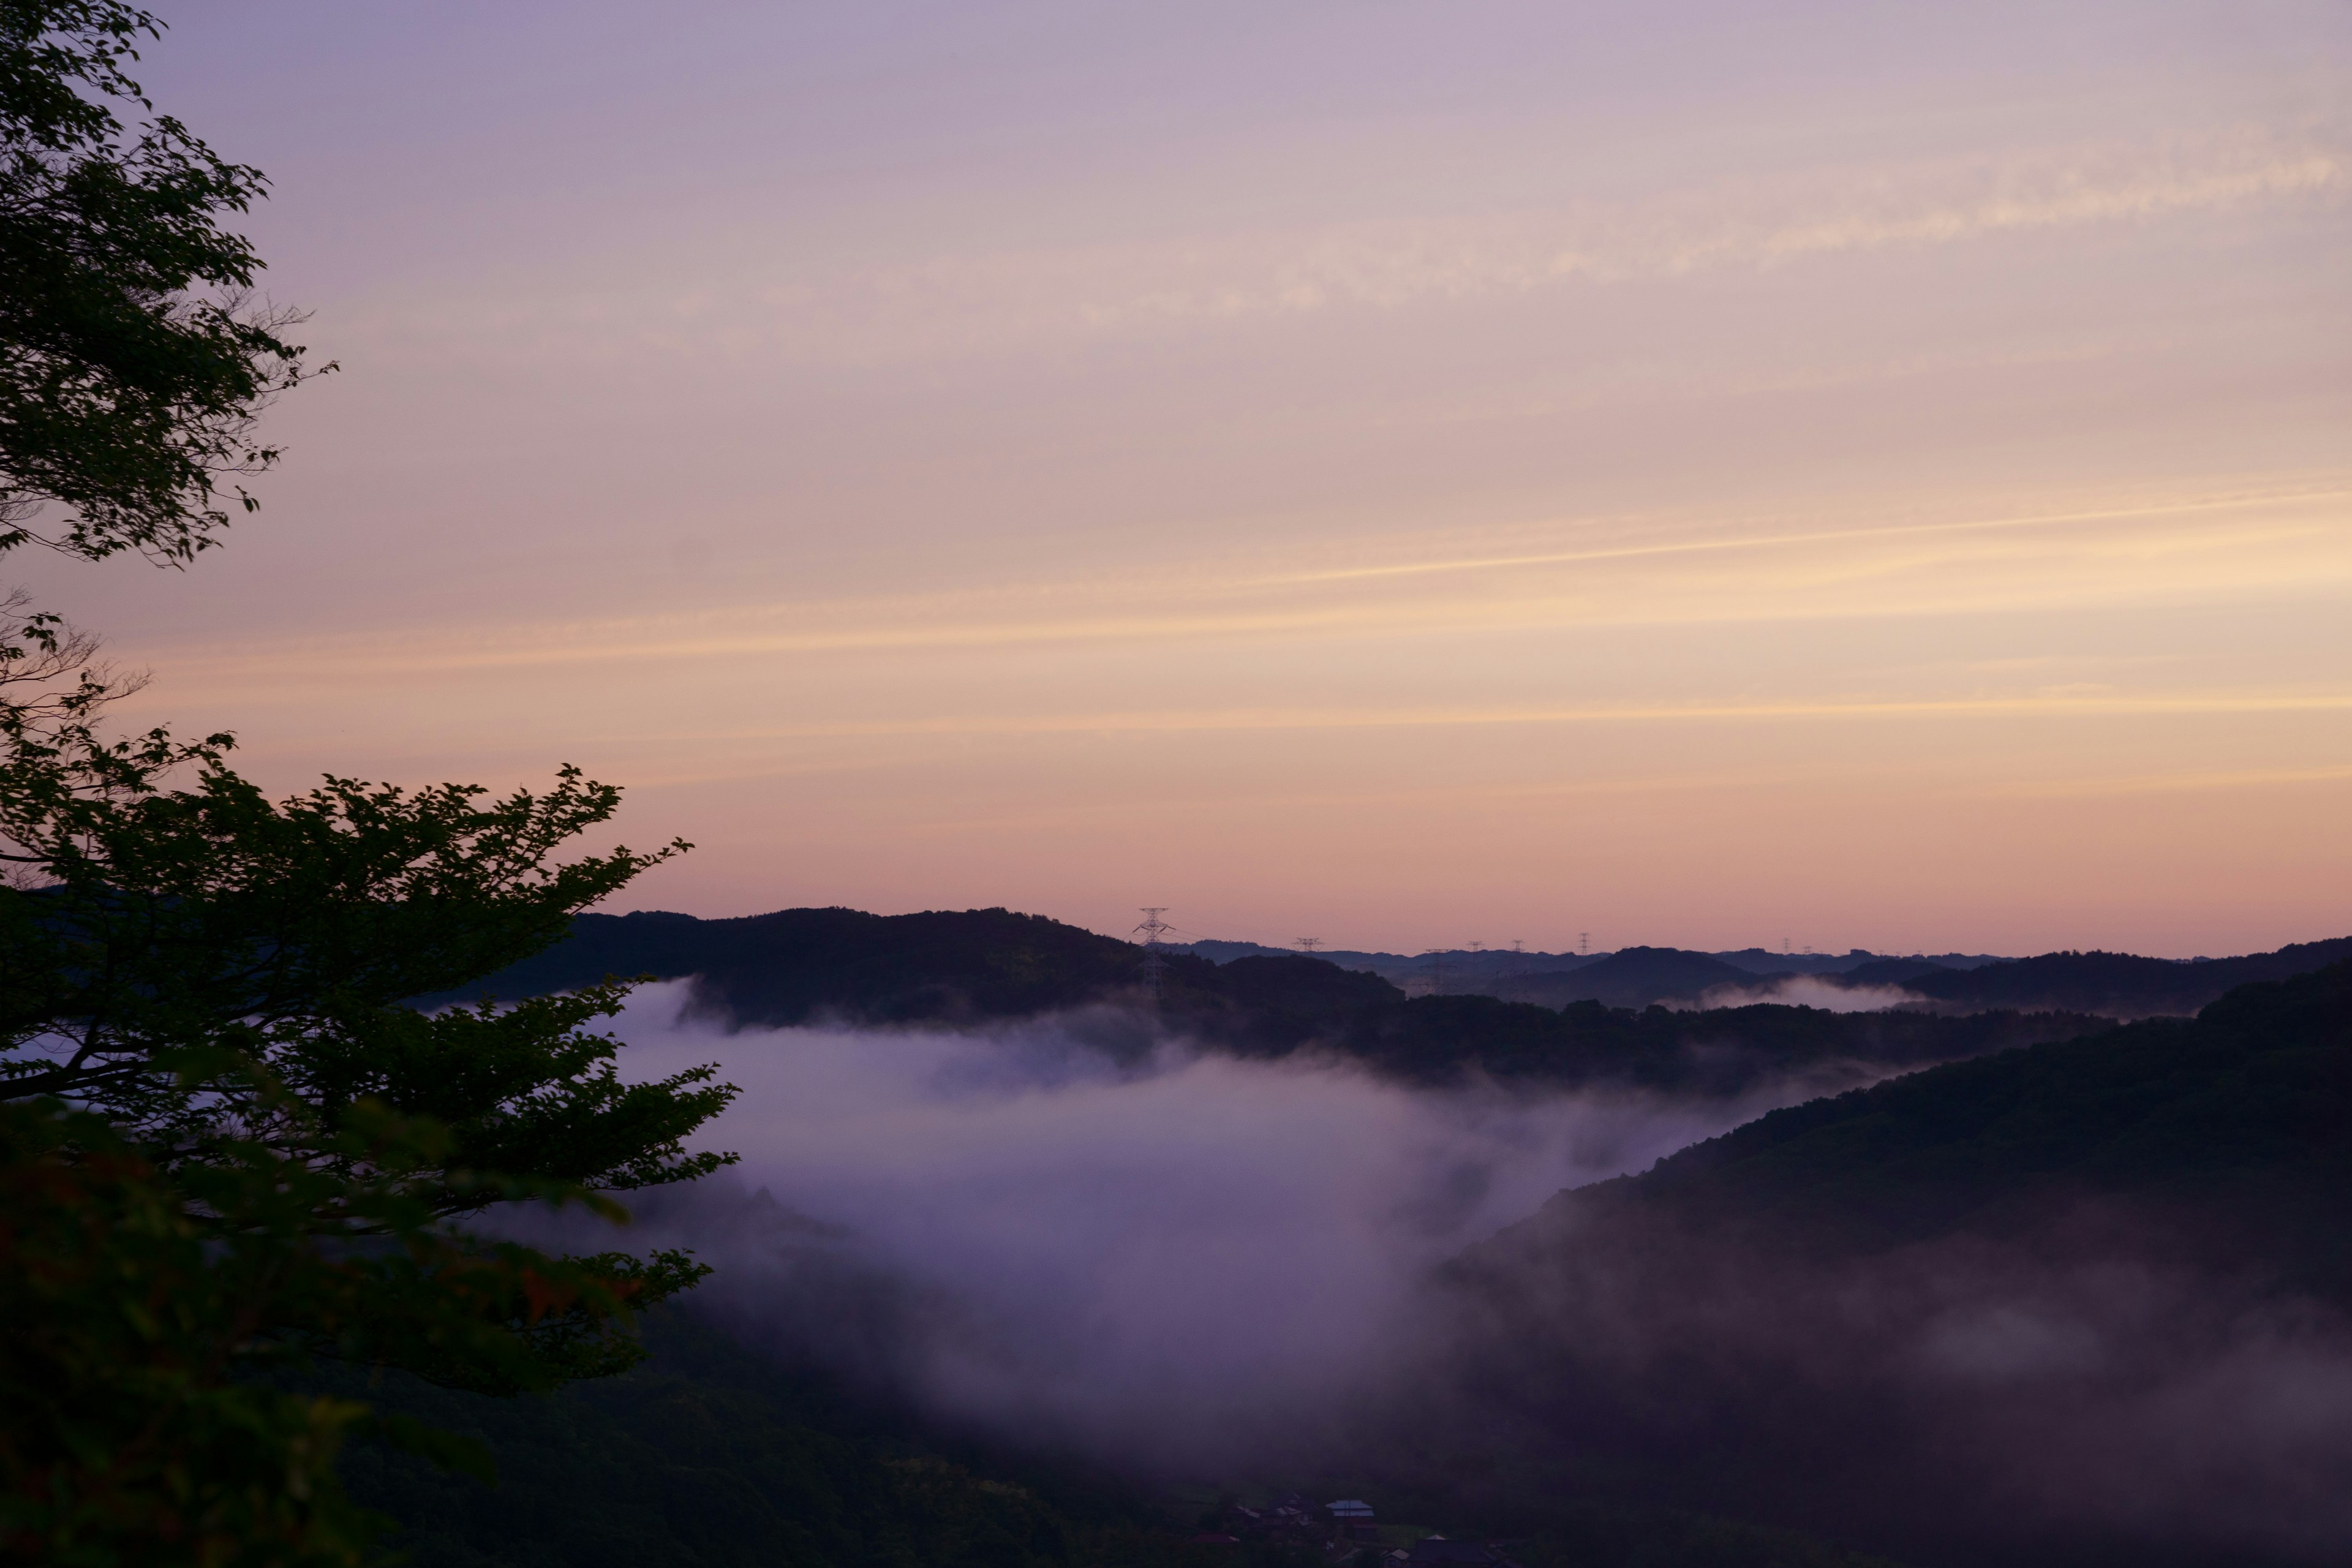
(227, 1145)
(267, 1153)
(134, 355)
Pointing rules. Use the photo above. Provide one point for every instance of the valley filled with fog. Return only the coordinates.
(1176, 1257)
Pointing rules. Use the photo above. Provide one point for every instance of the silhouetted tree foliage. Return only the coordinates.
(133, 354)
(226, 1146)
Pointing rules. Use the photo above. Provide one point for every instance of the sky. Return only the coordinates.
(1689, 473)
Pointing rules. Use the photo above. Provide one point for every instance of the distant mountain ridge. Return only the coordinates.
(1486, 968)
(792, 965)
(1595, 1024)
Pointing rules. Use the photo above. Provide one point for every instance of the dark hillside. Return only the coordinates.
(2010, 1309)
(796, 965)
(1892, 971)
(1274, 1005)
(712, 1456)
(2255, 1092)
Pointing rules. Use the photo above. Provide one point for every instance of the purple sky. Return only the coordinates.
(1403, 473)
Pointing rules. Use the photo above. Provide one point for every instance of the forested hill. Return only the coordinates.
(1999, 1312)
(2248, 1104)
(2118, 985)
(796, 964)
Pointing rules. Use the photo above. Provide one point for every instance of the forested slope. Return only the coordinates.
(2007, 1309)
(2120, 984)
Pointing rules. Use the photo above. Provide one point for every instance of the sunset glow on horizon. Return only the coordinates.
(1403, 474)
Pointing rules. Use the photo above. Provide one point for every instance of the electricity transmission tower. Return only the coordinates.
(1307, 944)
(1154, 967)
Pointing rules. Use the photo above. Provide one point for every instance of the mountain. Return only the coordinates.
(796, 965)
(2256, 1089)
(1578, 1027)
(2120, 984)
(2037, 1308)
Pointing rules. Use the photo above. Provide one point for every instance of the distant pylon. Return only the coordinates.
(1153, 970)
(1307, 944)
(1584, 943)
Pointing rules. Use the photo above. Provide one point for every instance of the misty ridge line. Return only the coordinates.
(1571, 1018)
(1003, 300)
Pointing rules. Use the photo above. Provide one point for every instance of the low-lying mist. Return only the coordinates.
(1806, 991)
(1165, 1257)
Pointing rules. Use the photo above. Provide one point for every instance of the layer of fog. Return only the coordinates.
(1072, 1234)
(1822, 992)
(1170, 1258)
